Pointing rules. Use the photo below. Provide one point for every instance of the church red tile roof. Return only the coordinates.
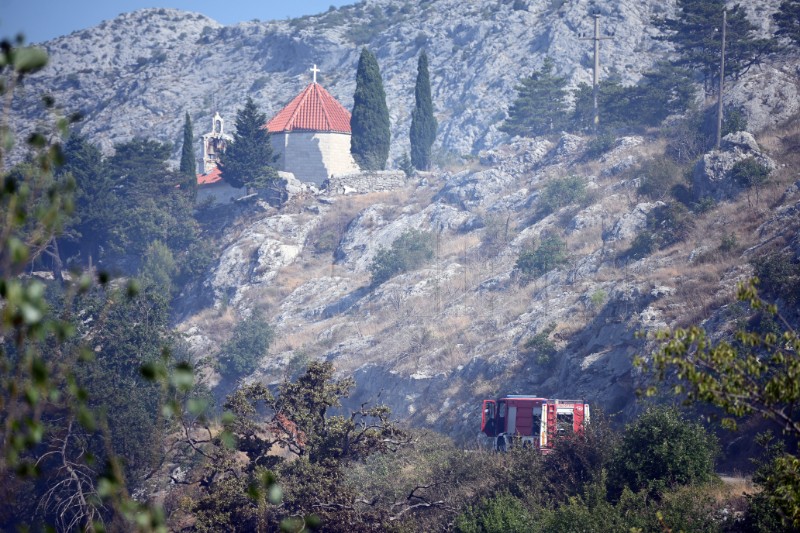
(314, 109)
(212, 177)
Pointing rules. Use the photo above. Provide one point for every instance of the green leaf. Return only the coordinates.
(275, 494)
(38, 371)
(29, 59)
(197, 406)
(19, 252)
(183, 377)
(86, 418)
(228, 440)
(148, 371)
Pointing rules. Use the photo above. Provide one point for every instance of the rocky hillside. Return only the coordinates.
(138, 73)
(433, 341)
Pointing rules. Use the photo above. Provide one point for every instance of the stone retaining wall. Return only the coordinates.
(366, 182)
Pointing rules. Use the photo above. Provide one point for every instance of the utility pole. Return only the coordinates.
(596, 71)
(721, 79)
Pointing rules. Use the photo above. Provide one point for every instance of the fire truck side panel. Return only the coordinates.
(511, 420)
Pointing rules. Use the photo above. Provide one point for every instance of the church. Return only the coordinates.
(310, 137)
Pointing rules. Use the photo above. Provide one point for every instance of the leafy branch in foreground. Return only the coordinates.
(58, 463)
(757, 373)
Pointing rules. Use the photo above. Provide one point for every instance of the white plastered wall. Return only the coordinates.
(313, 156)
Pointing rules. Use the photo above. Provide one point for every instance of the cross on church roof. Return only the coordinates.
(314, 69)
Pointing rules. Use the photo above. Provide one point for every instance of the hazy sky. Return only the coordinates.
(41, 20)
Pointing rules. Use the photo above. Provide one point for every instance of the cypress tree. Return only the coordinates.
(369, 143)
(188, 167)
(188, 162)
(246, 161)
(423, 123)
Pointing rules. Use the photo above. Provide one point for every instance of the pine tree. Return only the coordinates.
(539, 108)
(423, 123)
(96, 204)
(664, 91)
(695, 39)
(788, 20)
(369, 143)
(246, 161)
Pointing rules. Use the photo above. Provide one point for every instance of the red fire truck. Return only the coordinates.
(532, 421)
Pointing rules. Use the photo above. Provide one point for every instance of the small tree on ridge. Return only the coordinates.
(423, 123)
(369, 123)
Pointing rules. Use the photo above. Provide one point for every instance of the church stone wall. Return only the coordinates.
(366, 182)
(217, 193)
(313, 156)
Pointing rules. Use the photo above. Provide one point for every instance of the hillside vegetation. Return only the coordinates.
(320, 362)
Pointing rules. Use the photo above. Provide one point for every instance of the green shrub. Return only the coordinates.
(779, 277)
(662, 450)
(249, 343)
(774, 507)
(549, 255)
(541, 347)
(658, 177)
(500, 514)
(560, 192)
(599, 297)
(666, 225)
(672, 223)
(599, 145)
(642, 245)
(578, 516)
(408, 252)
(405, 165)
(750, 173)
(158, 267)
(704, 205)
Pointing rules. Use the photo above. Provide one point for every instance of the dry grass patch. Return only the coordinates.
(216, 323)
(452, 247)
(302, 339)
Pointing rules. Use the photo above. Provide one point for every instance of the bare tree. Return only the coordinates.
(73, 498)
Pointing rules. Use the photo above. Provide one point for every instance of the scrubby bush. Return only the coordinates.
(772, 509)
(248, 344)
(662, 450)
(500, 514)
(548, 255)
(779, 276)
(560, 192)
(666, 225)
(408, 252)
(541, 347)
(750, 174)
(642, 245)
(672, 223)
(658, 177)
(599, 144)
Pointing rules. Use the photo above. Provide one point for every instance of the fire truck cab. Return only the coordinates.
(531, 421)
